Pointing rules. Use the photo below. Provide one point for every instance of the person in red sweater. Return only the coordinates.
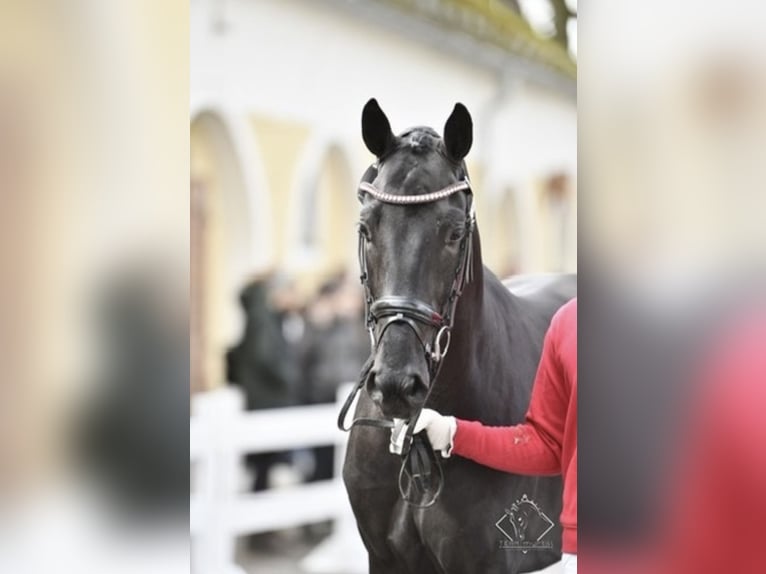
(546, 443)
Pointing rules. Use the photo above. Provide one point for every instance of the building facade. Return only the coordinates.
(277, 89)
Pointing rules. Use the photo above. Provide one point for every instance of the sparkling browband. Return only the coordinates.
(412, 199)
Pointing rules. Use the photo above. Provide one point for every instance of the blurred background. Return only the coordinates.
(277, 89)
(671, 259)
(94, 289)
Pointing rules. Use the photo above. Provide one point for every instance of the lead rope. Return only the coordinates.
(418, 455)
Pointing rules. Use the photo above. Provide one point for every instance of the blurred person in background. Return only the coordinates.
(264, 364)
(335, 348)
(289, 307)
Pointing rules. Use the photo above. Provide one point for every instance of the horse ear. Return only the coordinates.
(376, 131)
(458, 133)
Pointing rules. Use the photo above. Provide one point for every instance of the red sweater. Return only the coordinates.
(546, 444)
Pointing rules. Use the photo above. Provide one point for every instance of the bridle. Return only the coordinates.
(416, 477)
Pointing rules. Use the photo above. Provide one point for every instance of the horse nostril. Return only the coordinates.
(388, 385)
(372, 388)
(414, 389)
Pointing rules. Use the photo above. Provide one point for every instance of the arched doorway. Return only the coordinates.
(224, 222)
(322, 236)
(503, 245)
(556, 206)
(510, 232)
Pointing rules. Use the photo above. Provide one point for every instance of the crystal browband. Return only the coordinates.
(463, 185)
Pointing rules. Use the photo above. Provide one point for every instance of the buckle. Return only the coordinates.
(441, 348)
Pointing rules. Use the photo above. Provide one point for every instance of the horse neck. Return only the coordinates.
(474, 325)
(455, 372)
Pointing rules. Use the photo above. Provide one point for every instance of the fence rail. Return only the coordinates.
(221, 433)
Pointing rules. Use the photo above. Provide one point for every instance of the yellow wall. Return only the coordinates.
(281, 144)
(334, 220)
(205, 172)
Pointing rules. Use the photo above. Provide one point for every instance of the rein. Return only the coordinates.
(416, 477)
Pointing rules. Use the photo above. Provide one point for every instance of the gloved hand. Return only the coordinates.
(439, 428)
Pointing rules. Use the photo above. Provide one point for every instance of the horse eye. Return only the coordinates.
(456, 235)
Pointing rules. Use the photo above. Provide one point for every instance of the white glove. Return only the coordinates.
(439, 428)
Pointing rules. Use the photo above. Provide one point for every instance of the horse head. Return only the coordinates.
(415, 251)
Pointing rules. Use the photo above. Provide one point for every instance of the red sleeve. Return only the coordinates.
(534, 447)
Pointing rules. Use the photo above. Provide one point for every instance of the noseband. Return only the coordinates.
(415, 476)
(385, 311)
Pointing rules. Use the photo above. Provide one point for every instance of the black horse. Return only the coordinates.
(413, 254)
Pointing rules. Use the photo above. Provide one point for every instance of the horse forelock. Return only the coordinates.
(420, 139)
(417, 164)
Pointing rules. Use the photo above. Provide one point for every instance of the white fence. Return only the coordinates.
(221, 434)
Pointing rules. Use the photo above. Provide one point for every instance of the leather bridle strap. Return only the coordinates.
(418, 458)
(362, 421)
(417, 310)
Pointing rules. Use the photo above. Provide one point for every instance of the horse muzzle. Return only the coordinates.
(398, 394)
